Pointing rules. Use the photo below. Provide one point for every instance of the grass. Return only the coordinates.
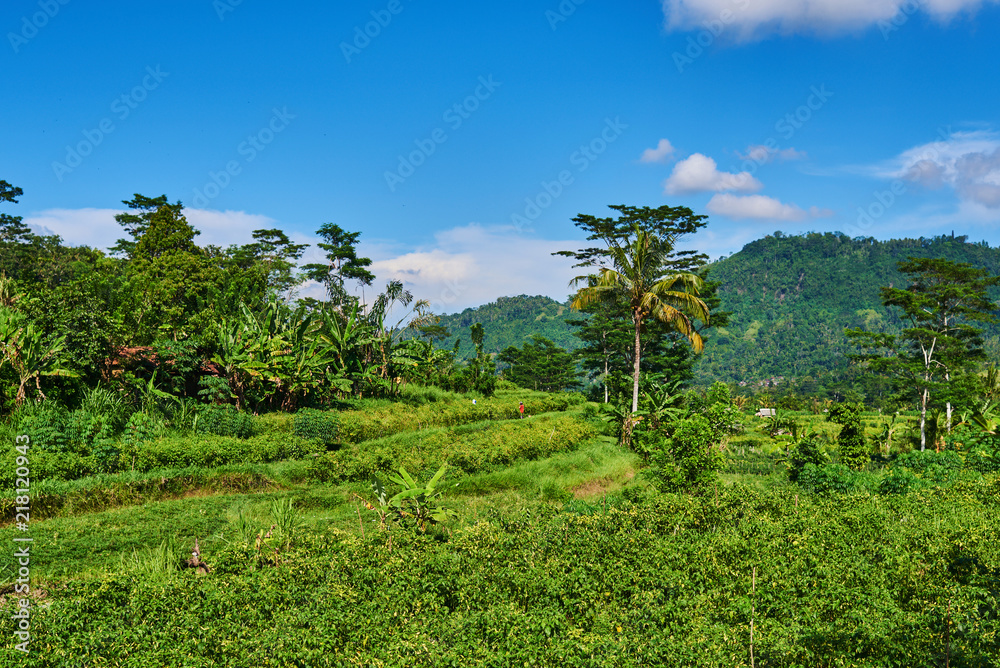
(129, 521)
(88, 544)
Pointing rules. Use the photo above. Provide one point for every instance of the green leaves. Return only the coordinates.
(29, 353)
(641, 268)
(421, 504)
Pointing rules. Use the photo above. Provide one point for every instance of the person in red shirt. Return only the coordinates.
(520, 409)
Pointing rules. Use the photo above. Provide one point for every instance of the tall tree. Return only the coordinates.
(934, 355)
(12, 230)
(343, 264)
(171, 275)
(136, 224)
(641, 266)
(540, 365)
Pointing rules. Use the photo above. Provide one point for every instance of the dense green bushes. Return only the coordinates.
(677, 581)
(318, 425)
(225, 421)
(469, 448)
(358, 426)
(59, 497)
(169, 452)
(209, 451)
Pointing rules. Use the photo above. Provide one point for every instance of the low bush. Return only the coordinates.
(469, 448)
(676, 581)
(209, 451)
(394, 418)
(689, 459)
(225, 421)
(836, 479)
(322, 426)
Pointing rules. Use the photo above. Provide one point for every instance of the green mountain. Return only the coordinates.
(792, 296)
(509, 321)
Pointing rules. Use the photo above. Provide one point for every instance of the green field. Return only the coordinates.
(560, 551)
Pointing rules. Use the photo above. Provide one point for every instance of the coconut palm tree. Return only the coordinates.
(637, 272)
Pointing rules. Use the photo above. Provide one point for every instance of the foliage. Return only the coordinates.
(851, 443)
(225, 421)
(831, 479)
(385, 420)
(675, 581)
(342, 264)
(805, 452)
(321, 426)
(540, 365)
(472, 448)
(418, 504)
(791, 296)
(688, 460)
(936, 353)
(641, 267)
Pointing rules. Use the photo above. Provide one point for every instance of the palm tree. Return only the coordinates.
(638, 261)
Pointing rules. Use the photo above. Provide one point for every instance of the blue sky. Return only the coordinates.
(461, 138)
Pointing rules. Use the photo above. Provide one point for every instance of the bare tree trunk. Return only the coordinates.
(635, 366)
(947, 379)
(605, 379)
(923, 421)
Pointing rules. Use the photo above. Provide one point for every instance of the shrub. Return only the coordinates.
(310, 423)
(934, 464)
(225, 421)
(718, 394)
(725, 419)
(854, 450)
(48, 427)
(688, 459)
(898, 481)
(834, 479)
(806, 451)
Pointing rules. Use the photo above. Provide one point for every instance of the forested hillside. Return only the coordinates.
(509, 321)
(792, 296)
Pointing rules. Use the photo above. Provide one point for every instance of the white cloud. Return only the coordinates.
(762, 154)
(699, 173)
(760, 207)
(663, 152)
(474, 264)
(747, 20)
(222, 228)
(78, 227)
(97, 227)
(967, 162)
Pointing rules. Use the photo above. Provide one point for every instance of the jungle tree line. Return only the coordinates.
(202, 323)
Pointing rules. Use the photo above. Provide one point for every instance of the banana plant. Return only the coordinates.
(420, 503)
(29, 355)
